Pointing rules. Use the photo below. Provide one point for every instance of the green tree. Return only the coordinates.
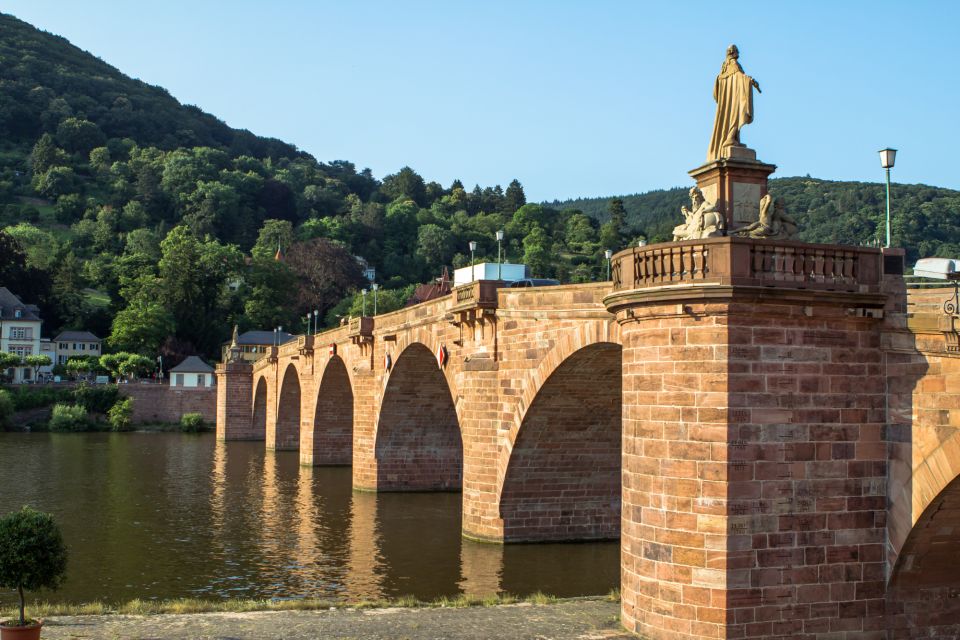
(538, 252)
(32, 554)
(142, 326)
(77, 135)
(46, 154)
(55, 182)
(9, 360)
(36, 361)
(406, 183)
(514, 198)
(273, 234)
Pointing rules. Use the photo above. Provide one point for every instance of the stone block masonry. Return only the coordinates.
(162, 403)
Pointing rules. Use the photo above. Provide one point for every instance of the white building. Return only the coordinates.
(192, 372)
(70, 344)
(19, 332)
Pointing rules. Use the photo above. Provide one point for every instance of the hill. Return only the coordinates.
(45, 79)
(925, 220)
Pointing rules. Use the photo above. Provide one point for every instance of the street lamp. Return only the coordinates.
(499, 253)
(364, 306)
(375, 287)
(887, 157)
(608, 254)
(473, 271)
(641, 243)
(316, 321)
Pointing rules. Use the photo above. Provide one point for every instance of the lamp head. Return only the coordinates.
(500, 235)
(887, 157)
(473, 245)
(608, 254)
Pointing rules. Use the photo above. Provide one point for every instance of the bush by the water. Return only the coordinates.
(25, 398)
(120, 415)
(32, 553)
(191, 422)
(6, 408)
(69, 417)
(97, 399)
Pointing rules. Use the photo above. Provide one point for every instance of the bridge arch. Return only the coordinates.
(924, 582)
(260, 408)
(559, 474)
(330, 440)
(418, 445)
(287, 428)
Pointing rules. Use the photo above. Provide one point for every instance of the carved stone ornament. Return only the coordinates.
(773, 223)
(701, 220)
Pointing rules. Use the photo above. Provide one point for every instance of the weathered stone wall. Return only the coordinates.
(161, 403)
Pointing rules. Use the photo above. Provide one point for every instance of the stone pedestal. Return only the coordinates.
(735, 184)
(754, 461)
(234, 402)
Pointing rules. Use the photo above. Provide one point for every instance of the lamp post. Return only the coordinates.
(375, 287)
(473, 271)
(641, 242)
(363, 313)
(316, 321)
(608, 254)
(499, 254)
(887, 157)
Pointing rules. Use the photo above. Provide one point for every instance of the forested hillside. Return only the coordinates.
(156, 225)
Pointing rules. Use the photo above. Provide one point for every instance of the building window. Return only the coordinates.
(83, 346)
(64, 346)
(18, 314)
(62, 359)
(21, 333)
(201, 380)
(178, 379)
(94, 347)
(21, 351)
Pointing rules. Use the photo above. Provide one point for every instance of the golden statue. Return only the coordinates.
(733, 93)
(773, 223)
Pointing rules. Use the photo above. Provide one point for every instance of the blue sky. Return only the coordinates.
(572, 98)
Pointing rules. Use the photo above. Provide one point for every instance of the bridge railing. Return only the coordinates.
(748, 262)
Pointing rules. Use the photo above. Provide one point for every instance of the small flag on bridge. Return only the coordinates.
(441, 356)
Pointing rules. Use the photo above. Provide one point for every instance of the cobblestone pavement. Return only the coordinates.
(566, 620)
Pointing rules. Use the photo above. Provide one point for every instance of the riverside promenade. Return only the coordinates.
(576, 619)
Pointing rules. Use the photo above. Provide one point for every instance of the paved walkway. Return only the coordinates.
(566, 620)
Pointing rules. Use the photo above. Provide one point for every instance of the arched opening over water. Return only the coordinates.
(331, 440)
(260, 410)
(563, 478)
(924, 583)
(288, 412)
(418, 444)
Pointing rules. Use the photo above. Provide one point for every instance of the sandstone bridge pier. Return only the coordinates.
(770, 428)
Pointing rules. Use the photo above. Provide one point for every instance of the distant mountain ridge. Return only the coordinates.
(925, 219)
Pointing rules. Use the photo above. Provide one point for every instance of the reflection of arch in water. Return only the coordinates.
(418, 444)
(563, 479)
(481, 568)
(288, 412)
(364, 576)
(330, 441)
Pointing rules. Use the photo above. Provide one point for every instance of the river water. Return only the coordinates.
(169, 515)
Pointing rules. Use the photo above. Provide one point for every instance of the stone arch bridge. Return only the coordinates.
(770, 428)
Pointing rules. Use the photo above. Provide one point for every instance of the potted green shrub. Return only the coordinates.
(32, 556)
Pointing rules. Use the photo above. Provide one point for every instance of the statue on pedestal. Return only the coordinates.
(234, 351)
(773, 223)
(702, 220)
(733, 93)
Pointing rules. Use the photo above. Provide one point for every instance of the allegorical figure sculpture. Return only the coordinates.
(701, 220)
(733, 93)
(773, 223)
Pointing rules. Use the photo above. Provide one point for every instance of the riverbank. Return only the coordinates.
(568, 619)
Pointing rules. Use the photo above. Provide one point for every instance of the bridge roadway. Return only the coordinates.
(770, 428)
